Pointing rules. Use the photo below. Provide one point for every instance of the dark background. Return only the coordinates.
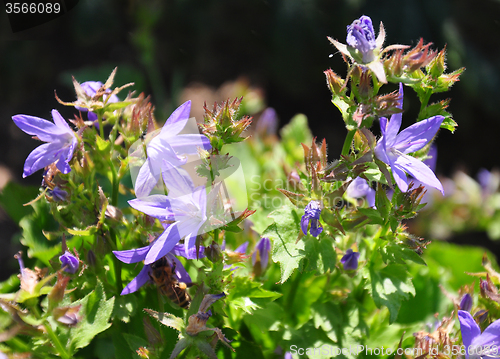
(279, 46)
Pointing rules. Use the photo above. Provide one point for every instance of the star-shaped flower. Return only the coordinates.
(168, 146)
(185, 208)
(61, 142)
(393, 148)
(91, 88)
(143, 276)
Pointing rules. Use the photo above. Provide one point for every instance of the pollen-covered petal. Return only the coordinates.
(41, 157)
(141, 279)
(418, 135)
(418, 170)
(177, 121)
(45, 130)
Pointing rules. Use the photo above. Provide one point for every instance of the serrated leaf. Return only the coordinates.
(390, 286)
(373, 215)
(83, 232)
(167, 319)
(396, 253)
(284, 233)
(96, 312)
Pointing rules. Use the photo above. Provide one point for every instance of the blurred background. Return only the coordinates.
(275, 51)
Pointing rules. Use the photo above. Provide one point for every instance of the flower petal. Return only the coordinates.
(146, 180)
(177, 180)
(180, 272)
(177, 121)
(163, 244)
(304, 222)
(190, 242)
(141, 279)
(469, 329)
(41, 157)
(189, 143)
(60, 122)
(132, 255)
(418, 170)
(418, 135)
(157, 206)
(490, 336)
(43, 129)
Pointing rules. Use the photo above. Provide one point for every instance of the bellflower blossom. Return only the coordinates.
(393, 148)
(350, 260)
(185, 206)
(360, 188)
(90, 88)
(477, 344)
(168, 146)
(311, 214)
(143, 276)
(262, 250)
(361, 36)
(61, 142)
(69, 262)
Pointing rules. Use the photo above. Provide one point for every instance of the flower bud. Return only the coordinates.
(466, 302)
(481, 315)
(260, 256)
(334, 82)
(69, 262)
(350, 260)
(68, 315)
(361, 36)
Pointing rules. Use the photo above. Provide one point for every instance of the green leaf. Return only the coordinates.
(167, 319)
(398, 253)
(284, 233)
(96, 312)
(243, 288)
(134, 342)
(13, 197)
(390, 286)
(125, 307)
(320, 254)
(102, 145)
(373, 215)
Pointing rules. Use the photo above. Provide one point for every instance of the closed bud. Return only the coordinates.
(57, 292)
(68, 315)
(466, 302)
(437, 66)
(334, 82)
(214, 252)
(481, 315)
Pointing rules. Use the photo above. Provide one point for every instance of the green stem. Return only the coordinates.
(423, 105)
(115, 183)
(55, 340)
(101, 127)
(348, 142)
(117, 265)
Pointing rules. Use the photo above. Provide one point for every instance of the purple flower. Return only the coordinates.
(168, 146)
(262, 252)
(268, 122)
(361, 36)
(90, 88)
(185, 206)
(350, 260)
(58, 194)
(477, 345)
(466, 302)
(143, 276)
(69, 262)
(311, 214)
(360, 188)
(61, 142)
(393, 148)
